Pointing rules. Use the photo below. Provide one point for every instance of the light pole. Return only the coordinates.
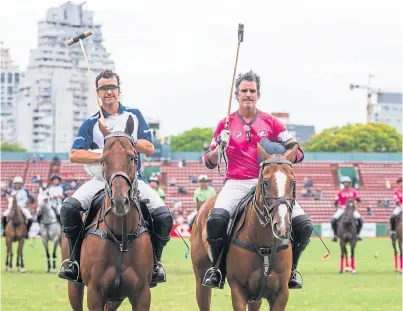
(370, 91)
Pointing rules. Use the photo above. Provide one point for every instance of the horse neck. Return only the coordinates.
(115, 223)
(17, 216)
(48, 213)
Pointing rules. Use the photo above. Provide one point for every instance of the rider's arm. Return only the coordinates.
(84, 156)
(283, 136)
(144, 138)
(210, 158)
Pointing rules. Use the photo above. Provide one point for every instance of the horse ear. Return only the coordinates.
(129, 126)
(292, 157)
(103, 129)
(261, 153)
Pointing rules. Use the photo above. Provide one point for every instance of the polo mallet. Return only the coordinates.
(222, 154)
(240, 39)
(79, 38)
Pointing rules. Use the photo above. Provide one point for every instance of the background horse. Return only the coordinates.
(347, 232)
(259, 258)
(50, 228)
(398, 262)
(117, 256)
(16, 229)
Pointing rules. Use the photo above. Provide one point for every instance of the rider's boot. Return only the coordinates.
(302, 230)
(393, 227)
(334, 227)
(217, 225)
(70, 216)
(360, 223)
(163, 222)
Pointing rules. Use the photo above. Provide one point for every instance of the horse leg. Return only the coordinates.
(95, 301)
(19, 253)
(254, 306)
(9, 268)
(76, 295)
(142, 300)
(45, 244)
(54, 255)
(239, 298)
(352, 245)
(280, 300)
(395, 253)
(203, 295)
(342, 247)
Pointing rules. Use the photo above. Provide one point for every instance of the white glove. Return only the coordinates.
(223, 138)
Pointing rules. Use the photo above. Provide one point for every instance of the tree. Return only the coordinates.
(195, 139)
(372, 137)
(11, 147)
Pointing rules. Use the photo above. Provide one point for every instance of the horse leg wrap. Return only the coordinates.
(302, 230)
(163, 222)
(360, 223)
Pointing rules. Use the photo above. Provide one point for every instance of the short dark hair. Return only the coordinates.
(249, 76)
(107, 74)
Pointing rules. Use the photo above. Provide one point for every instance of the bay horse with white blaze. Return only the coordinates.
(117, 255)
(259, 258)
(16, 229)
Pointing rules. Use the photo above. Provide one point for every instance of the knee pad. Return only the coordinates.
(163, 221)
(217, 223)
(302, 229)
(70, 217)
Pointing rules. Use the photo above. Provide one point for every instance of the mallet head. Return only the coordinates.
(240, 33)
(78, 37)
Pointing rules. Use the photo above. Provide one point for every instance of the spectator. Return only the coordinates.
(369, 211)
(318, 194)
(182, 190)
(155, 184)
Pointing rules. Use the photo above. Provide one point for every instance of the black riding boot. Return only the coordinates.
(29, 224)
(360, 223)
(302, 230)
(163, 222)
(334, 227)
(217, 237)
(71, 226)
(4, 223)
(393, 227)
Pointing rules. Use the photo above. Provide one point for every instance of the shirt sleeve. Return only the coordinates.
(337, 197)
(84, 136)
(280, 131)
(143, 130)
(213, 144)
(195, 194)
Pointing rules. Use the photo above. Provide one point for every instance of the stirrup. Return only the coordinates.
(163, 268)
(70, 262)
(295, 271)
(209, 272)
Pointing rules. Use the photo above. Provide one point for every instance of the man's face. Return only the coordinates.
(108, 91)
(346, 185)
(55, 181)
(203, 184)
(17, 185)
(153, 184)
(247, 95)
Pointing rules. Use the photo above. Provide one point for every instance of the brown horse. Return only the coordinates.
(117, 256)
(398, 257)
(16, 230)
(347, 232)
(259, 258)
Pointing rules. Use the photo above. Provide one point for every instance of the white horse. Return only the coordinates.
(50, 228)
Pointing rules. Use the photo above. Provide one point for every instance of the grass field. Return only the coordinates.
(375, 286)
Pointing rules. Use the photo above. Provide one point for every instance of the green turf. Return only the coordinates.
(375, 286)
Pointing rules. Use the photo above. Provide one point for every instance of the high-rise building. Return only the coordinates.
(10, 79)
(54, 96)
(388, 109)
(300, 132)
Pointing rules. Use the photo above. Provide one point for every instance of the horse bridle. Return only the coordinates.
(264, 215)
(133, 184)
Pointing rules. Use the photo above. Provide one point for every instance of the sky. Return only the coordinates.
(176, 58)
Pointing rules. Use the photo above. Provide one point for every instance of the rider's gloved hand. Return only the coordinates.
(223, 138)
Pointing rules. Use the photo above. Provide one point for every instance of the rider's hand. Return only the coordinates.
(223, 138)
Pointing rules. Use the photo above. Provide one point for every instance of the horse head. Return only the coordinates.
(348, 215)
(275, 193)
(120, 161)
